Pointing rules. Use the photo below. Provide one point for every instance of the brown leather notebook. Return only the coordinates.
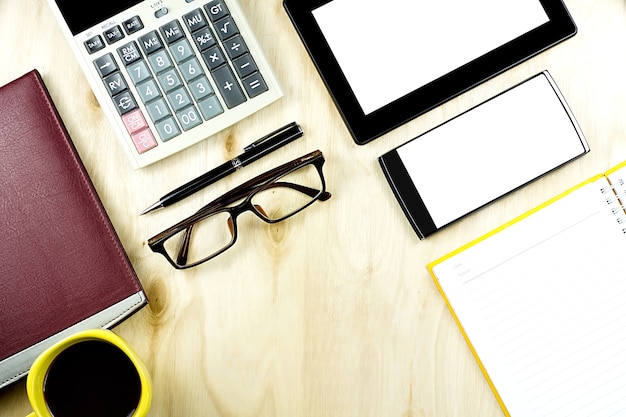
(62, 266)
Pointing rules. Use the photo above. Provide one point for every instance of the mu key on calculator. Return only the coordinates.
(168, 73)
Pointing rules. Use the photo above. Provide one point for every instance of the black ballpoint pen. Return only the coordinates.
(252, 152)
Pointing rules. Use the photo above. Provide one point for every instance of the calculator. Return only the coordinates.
(168, 73)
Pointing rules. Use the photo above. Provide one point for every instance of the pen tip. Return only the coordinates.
(152, 207)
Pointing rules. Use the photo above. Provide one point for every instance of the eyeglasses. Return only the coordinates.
(273, 196)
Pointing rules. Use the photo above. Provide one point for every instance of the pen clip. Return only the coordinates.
(271, 135)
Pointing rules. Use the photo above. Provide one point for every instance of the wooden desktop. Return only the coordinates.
(332, 312)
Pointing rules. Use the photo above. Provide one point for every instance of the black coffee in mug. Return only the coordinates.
(92, 378)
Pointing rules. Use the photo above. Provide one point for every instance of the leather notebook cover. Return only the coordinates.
(62, 267)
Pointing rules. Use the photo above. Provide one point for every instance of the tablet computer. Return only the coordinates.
(385, 63)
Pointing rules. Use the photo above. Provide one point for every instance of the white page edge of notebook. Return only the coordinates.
(16, 366)
(480, 155)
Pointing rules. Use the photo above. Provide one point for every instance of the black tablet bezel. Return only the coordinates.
(366, 127)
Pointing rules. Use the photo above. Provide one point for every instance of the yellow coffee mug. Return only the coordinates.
(92, 372)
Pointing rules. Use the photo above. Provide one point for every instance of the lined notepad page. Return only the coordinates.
(543, 303)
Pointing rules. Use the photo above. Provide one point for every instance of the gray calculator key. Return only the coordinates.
(195, 20)
(158, 110)
(170, 80)
(245, 65)
(94, 44)
(139, 72)
(172, 32)
(181, 50)
(105, 65)
(204, 38)
(254, 85)
(213, 57)
(148, 91)
(226, 28)
(132, 25)
(167, 129)
(124, 102)
(235, 47)
(228, 86)
(188, 118)
(115, 83)
(210, 107)
(160, 61)
(113, 34)
(150, 42)
(216, 9)
(191, 69)
(129, 53)
(200, 88)
(179, 99)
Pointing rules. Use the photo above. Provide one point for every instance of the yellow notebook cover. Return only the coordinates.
(530, 299)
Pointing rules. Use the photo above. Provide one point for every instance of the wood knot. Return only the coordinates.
(277, 232)
(157, 294)
(230, 146)
(93, 101)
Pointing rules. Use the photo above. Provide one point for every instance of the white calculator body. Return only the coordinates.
(168, 73)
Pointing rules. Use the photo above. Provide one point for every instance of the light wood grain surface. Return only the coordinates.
(331, 313)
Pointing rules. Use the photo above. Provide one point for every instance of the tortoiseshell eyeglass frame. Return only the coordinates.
(244, 191)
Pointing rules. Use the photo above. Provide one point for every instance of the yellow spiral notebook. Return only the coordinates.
(541, 301)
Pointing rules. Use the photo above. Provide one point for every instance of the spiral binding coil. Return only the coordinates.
(615, 201)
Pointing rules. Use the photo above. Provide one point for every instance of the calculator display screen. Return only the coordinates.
(386, 52)
(79, 17)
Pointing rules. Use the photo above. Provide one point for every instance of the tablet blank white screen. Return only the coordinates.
(388, 49)
(492, 149)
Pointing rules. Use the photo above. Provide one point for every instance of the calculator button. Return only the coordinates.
(161, 12)
(213, 57)
(124, 102)
(244, 65)
(191, 70)
(129, 53)
(170, 80)
(216, 10)
(115, 84)
(179, 99)
(226, 28)
(158, 110)
(139, 72)
(148, 91)
(172, 32)
(235, 47)
(144, 140)
(132, 25)
(181, 50)
(150, 42)
(188, 118)
(94, 44)
(160, 61)
(113, 34)
(254, 85)
(228, 86)
(210, 107)
(200, 88)
(105, 65)
(204, 38)
(134, 121)
(195, 20)
(167, 129)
